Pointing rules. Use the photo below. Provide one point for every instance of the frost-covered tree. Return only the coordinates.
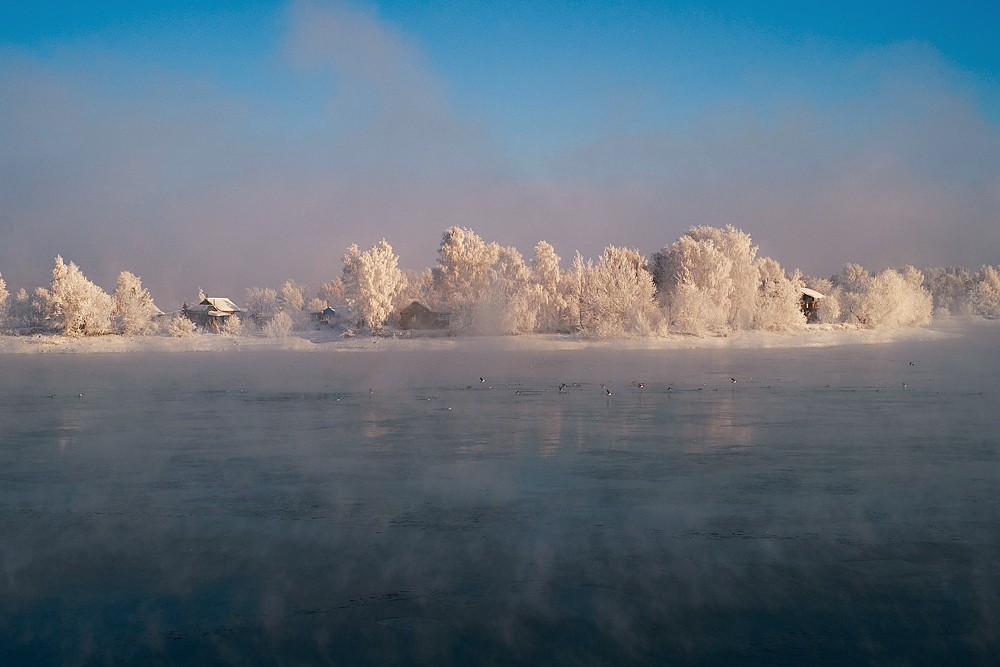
(694, 285)
(463, 272)
(617, 294)
(292, 297)
(822, 285)
(573, 281)
(372, 281)
(984, 297)
(852, 277)
(27, 312)
(828, 310)
(179, 326)
(132, 310)
(893, 298)
(232, 326)
(74, 305)
(419, 287)
(708, 280)
(4, 298)
(332, 293)
(279, 326)
(549, 298)
(850, 285)
(261, 305)
(779, 298)
(739, 249)
(950, 288)
(506, 306)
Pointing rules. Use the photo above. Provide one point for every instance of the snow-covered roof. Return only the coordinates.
(221, 303)
(811, 292)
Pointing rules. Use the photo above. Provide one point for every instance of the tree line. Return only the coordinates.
(710, 281)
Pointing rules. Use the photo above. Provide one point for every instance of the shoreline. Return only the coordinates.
(812, 336)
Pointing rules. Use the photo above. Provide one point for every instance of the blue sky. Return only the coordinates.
(236, 144)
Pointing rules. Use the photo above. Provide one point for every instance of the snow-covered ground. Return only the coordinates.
(329, 340)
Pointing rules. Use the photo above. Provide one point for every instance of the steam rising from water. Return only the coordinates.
(390, 508)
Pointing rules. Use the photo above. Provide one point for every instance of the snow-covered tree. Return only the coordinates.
(26, 312)
(549, 298)
(462, 274)
(736, 246)
(332, 293)
(74, 305)
(292, 297)
(419, 287)
(618, 295)
(694, 285)
(779, 298)
(984, 297)
(828, 310)
(822, 285)
(892, 298)
(132, 310)
(850, 285)
(505, 307)
(372, 281)
(950, 288)
(574, 280)
(4, 298)
(852, 277)
(232, 326)
(279, 326)
(179, 326)
(261, 305)
(708, 280)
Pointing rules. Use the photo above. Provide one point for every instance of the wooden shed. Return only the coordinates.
(810, 300)
(419, 316)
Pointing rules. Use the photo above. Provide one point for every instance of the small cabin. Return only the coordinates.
(211, 314)
(332, 316)
(809, 302)
(419, 316)
(326, 316)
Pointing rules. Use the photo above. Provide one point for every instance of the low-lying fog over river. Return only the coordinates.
(834, 505)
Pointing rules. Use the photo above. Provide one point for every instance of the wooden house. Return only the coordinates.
(419, 316)
(809, 301)
(211, 313)
(326, 316)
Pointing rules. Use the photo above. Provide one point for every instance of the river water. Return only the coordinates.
(832, 506)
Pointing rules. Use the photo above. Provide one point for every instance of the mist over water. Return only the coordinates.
(832, 505)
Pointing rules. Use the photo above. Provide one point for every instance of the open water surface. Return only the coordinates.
(389, 508)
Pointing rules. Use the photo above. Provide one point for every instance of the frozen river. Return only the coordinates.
(835, 505)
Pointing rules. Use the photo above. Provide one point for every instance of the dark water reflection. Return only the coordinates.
(388, 508)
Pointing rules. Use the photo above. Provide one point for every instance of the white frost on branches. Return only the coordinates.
(779, 298)
(462, 276)
(550, 296)
(984, 297)
(372, 281)
(74, 305)
(293, 298)
(261, 305)
(4, 298)
(616, 295)
(889, 298)
(710, 280)
(132, 309)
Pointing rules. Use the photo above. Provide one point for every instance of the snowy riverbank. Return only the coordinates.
(330, 341)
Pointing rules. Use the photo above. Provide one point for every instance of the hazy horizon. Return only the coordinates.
(251, 143)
